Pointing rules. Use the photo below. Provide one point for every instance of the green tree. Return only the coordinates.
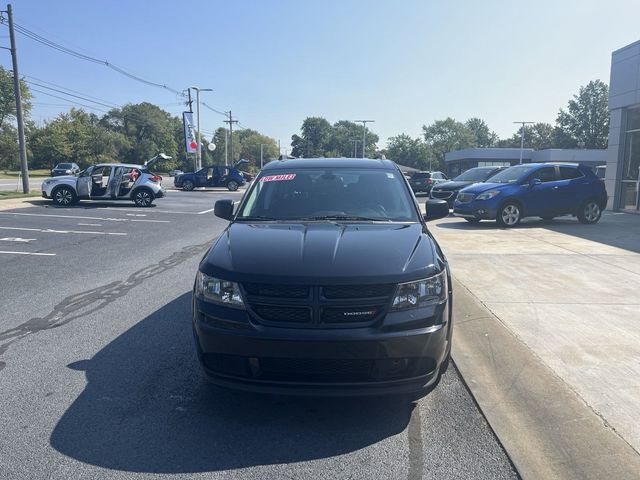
(585, 122)
(8, 133)
(314, 140)
(484, 136)
(447, 135)
(538, 136)
(148, 130)
(408, 151)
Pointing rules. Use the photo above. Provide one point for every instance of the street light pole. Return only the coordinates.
(199, 151)
(364, 134)
(522, 137)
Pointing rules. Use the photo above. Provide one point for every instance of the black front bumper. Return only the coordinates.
(474, 210)
(333, 362)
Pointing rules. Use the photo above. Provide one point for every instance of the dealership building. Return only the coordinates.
(461, 160)
(623, 155)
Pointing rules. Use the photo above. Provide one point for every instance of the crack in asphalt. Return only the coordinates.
(79, 305)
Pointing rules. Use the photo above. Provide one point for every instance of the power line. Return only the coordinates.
(66, 99)
(68, 51)
(72, 95)
(66, 88)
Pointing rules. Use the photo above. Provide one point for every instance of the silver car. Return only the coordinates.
(106, 181)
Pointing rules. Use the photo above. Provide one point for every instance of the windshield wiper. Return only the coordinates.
(256, 218)
(346, 217)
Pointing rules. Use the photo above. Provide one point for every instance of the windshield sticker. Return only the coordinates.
(278, 178)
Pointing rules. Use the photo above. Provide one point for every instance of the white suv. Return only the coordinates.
(106, 181)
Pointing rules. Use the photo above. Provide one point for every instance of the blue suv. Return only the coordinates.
(534, 190)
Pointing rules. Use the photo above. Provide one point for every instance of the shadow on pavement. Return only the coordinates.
(620, 230)
(147, 408)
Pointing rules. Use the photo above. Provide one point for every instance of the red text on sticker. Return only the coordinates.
(278, 178)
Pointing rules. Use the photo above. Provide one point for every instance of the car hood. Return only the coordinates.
(320, 252)
(452, 185)
(60, 178)
(483, 187)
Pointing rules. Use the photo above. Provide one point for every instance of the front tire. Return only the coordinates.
(64, 196)
(590, 212)
(188, 185)
(509, 215)
(143, 198)
(232, 185)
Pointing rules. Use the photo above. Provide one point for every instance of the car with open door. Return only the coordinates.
(107, 181)
(213, 176)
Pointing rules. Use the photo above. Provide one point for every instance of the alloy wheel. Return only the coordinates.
(510, 215)
(143, 199)
(591, 211)
(64, 197)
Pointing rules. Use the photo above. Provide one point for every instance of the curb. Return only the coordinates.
(545, 428)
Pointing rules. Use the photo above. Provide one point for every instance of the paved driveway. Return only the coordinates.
(570, 293)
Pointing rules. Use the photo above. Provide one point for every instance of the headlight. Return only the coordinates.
(421, 293)
(218, 291)
(67, 171)
(488, 195)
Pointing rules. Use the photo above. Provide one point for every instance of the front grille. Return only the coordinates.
(310, 370)
(276, 291)
(279, 314)
(442, 194)
(356, 291)
(326, 306)
(465, 197)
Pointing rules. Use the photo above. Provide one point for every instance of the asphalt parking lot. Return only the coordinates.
(98, 375)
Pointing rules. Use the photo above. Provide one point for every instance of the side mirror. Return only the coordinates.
(534, 181)
(223, 209)
(436, 209)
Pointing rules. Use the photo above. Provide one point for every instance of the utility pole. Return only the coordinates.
(231, 121)
(199, 151)
(279, 151)
(522, 138)
(24, 168)
(355, 147)
(261, 154)
(364, 134)
(226, 147)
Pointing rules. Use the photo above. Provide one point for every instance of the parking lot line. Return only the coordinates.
(49, 230)
(17, 239)
(90, 224)
(206, 211)
(83, 217)
(29, 253)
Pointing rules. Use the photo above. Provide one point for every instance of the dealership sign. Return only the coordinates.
(189, 132)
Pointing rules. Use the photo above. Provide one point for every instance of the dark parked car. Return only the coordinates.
(65, 169)
(326, 281)
(214, 176)
(423, 181)
(448, 190)
(534, 190)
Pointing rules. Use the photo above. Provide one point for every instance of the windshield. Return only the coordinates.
(511, 174)
(66, 166)
(422, 175)
(474, 175)
(329, 194)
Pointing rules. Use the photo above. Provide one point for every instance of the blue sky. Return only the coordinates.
(402, 63)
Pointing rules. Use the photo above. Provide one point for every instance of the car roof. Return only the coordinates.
(132, 165)
(331, 163)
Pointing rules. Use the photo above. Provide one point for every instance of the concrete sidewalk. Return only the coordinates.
(569, 293)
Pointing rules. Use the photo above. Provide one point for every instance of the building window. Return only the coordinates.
(630, 194)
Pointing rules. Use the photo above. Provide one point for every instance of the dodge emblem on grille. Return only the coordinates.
(361, 313)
